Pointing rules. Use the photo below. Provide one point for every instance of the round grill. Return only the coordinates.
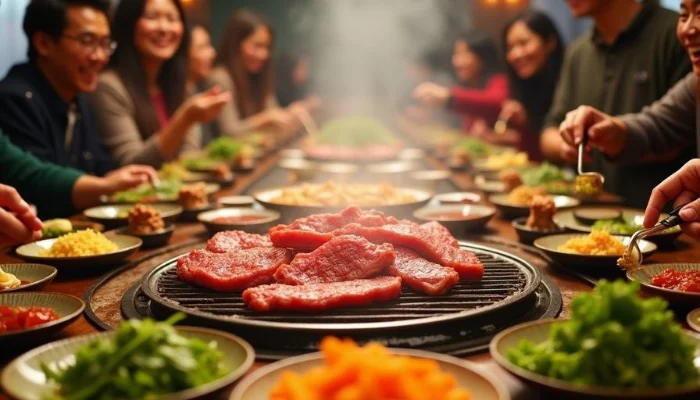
(507, 281)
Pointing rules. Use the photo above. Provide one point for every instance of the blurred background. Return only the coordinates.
(329, 29)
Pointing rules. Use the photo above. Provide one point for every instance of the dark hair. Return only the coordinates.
(50, 17)
(536, 93)
(126, 62)
(483, 46)
(251, 91)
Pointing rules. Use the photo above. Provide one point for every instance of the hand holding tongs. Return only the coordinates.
(673, 220)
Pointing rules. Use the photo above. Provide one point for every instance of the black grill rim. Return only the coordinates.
(149, 283)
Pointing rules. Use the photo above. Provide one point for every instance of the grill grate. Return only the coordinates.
(503, 278)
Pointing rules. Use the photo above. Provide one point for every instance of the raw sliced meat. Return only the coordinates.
(226, 241)
(439, 230)
(422, 275)
(343, 258)
(310, 232)
(424, 242)
(233, 271)
(322, 296)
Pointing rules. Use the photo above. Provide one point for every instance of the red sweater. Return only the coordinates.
(483, 103)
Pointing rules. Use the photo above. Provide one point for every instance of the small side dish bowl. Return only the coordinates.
(154, 239)
(459, 219)
(32, 276)
(528, 235)
(645, 273)
(243, 219)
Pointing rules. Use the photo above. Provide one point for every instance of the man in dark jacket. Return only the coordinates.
(42, 106)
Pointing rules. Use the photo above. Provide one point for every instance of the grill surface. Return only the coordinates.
(507, 280)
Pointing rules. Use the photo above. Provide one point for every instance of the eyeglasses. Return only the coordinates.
(91, 43)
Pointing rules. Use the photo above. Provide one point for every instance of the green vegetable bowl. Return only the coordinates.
(24, 378)
(537, 332)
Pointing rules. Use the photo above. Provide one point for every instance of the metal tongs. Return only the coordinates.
(589, 176)
(629, 262)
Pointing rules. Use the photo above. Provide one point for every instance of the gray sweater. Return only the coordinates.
(667, 124)
(230, 122)
(116, 116)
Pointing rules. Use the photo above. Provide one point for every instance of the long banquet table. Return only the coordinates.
(686, 250)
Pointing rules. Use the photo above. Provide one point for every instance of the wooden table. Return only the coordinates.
(686, 251)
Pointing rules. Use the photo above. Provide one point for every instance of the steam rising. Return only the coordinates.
(362, 47)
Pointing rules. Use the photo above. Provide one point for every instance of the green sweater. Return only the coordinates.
(47, 186)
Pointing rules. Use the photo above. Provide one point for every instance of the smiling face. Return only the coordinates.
(202, 54)
(526, 51)
(255, 50)
(159, 31)
(688, 31)
(73, 64)
(467, 64)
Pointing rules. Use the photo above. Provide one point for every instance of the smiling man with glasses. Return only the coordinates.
(43, 108)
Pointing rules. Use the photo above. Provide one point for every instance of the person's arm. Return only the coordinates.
(229, 122)
(664, 126)
(486, 102)
(47, 186)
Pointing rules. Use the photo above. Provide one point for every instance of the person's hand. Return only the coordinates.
(128, 177)
(205, 106)
(606, 133)
(681, 188)
(513, 112)
(281, 120)
(431, 94)
(18, 221)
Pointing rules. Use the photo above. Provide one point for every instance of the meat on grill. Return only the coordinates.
(226, 241)
(343, 258)
(438, 231)
(322, 296)
(233, 271)
(422, 275)
(424, 242)
(310, 232)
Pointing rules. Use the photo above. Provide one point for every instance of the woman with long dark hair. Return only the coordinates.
(482, 87)
(534, 53)
(144, 114)
(244, 67)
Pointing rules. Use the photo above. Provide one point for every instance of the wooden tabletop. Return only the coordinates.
(686, 250)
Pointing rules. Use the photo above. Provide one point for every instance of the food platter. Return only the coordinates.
(290, 212)
(126, 246)
(24, 379)
(567, 218)
(538, 331)
(157, 197)
(347, 154)
(469, 376)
